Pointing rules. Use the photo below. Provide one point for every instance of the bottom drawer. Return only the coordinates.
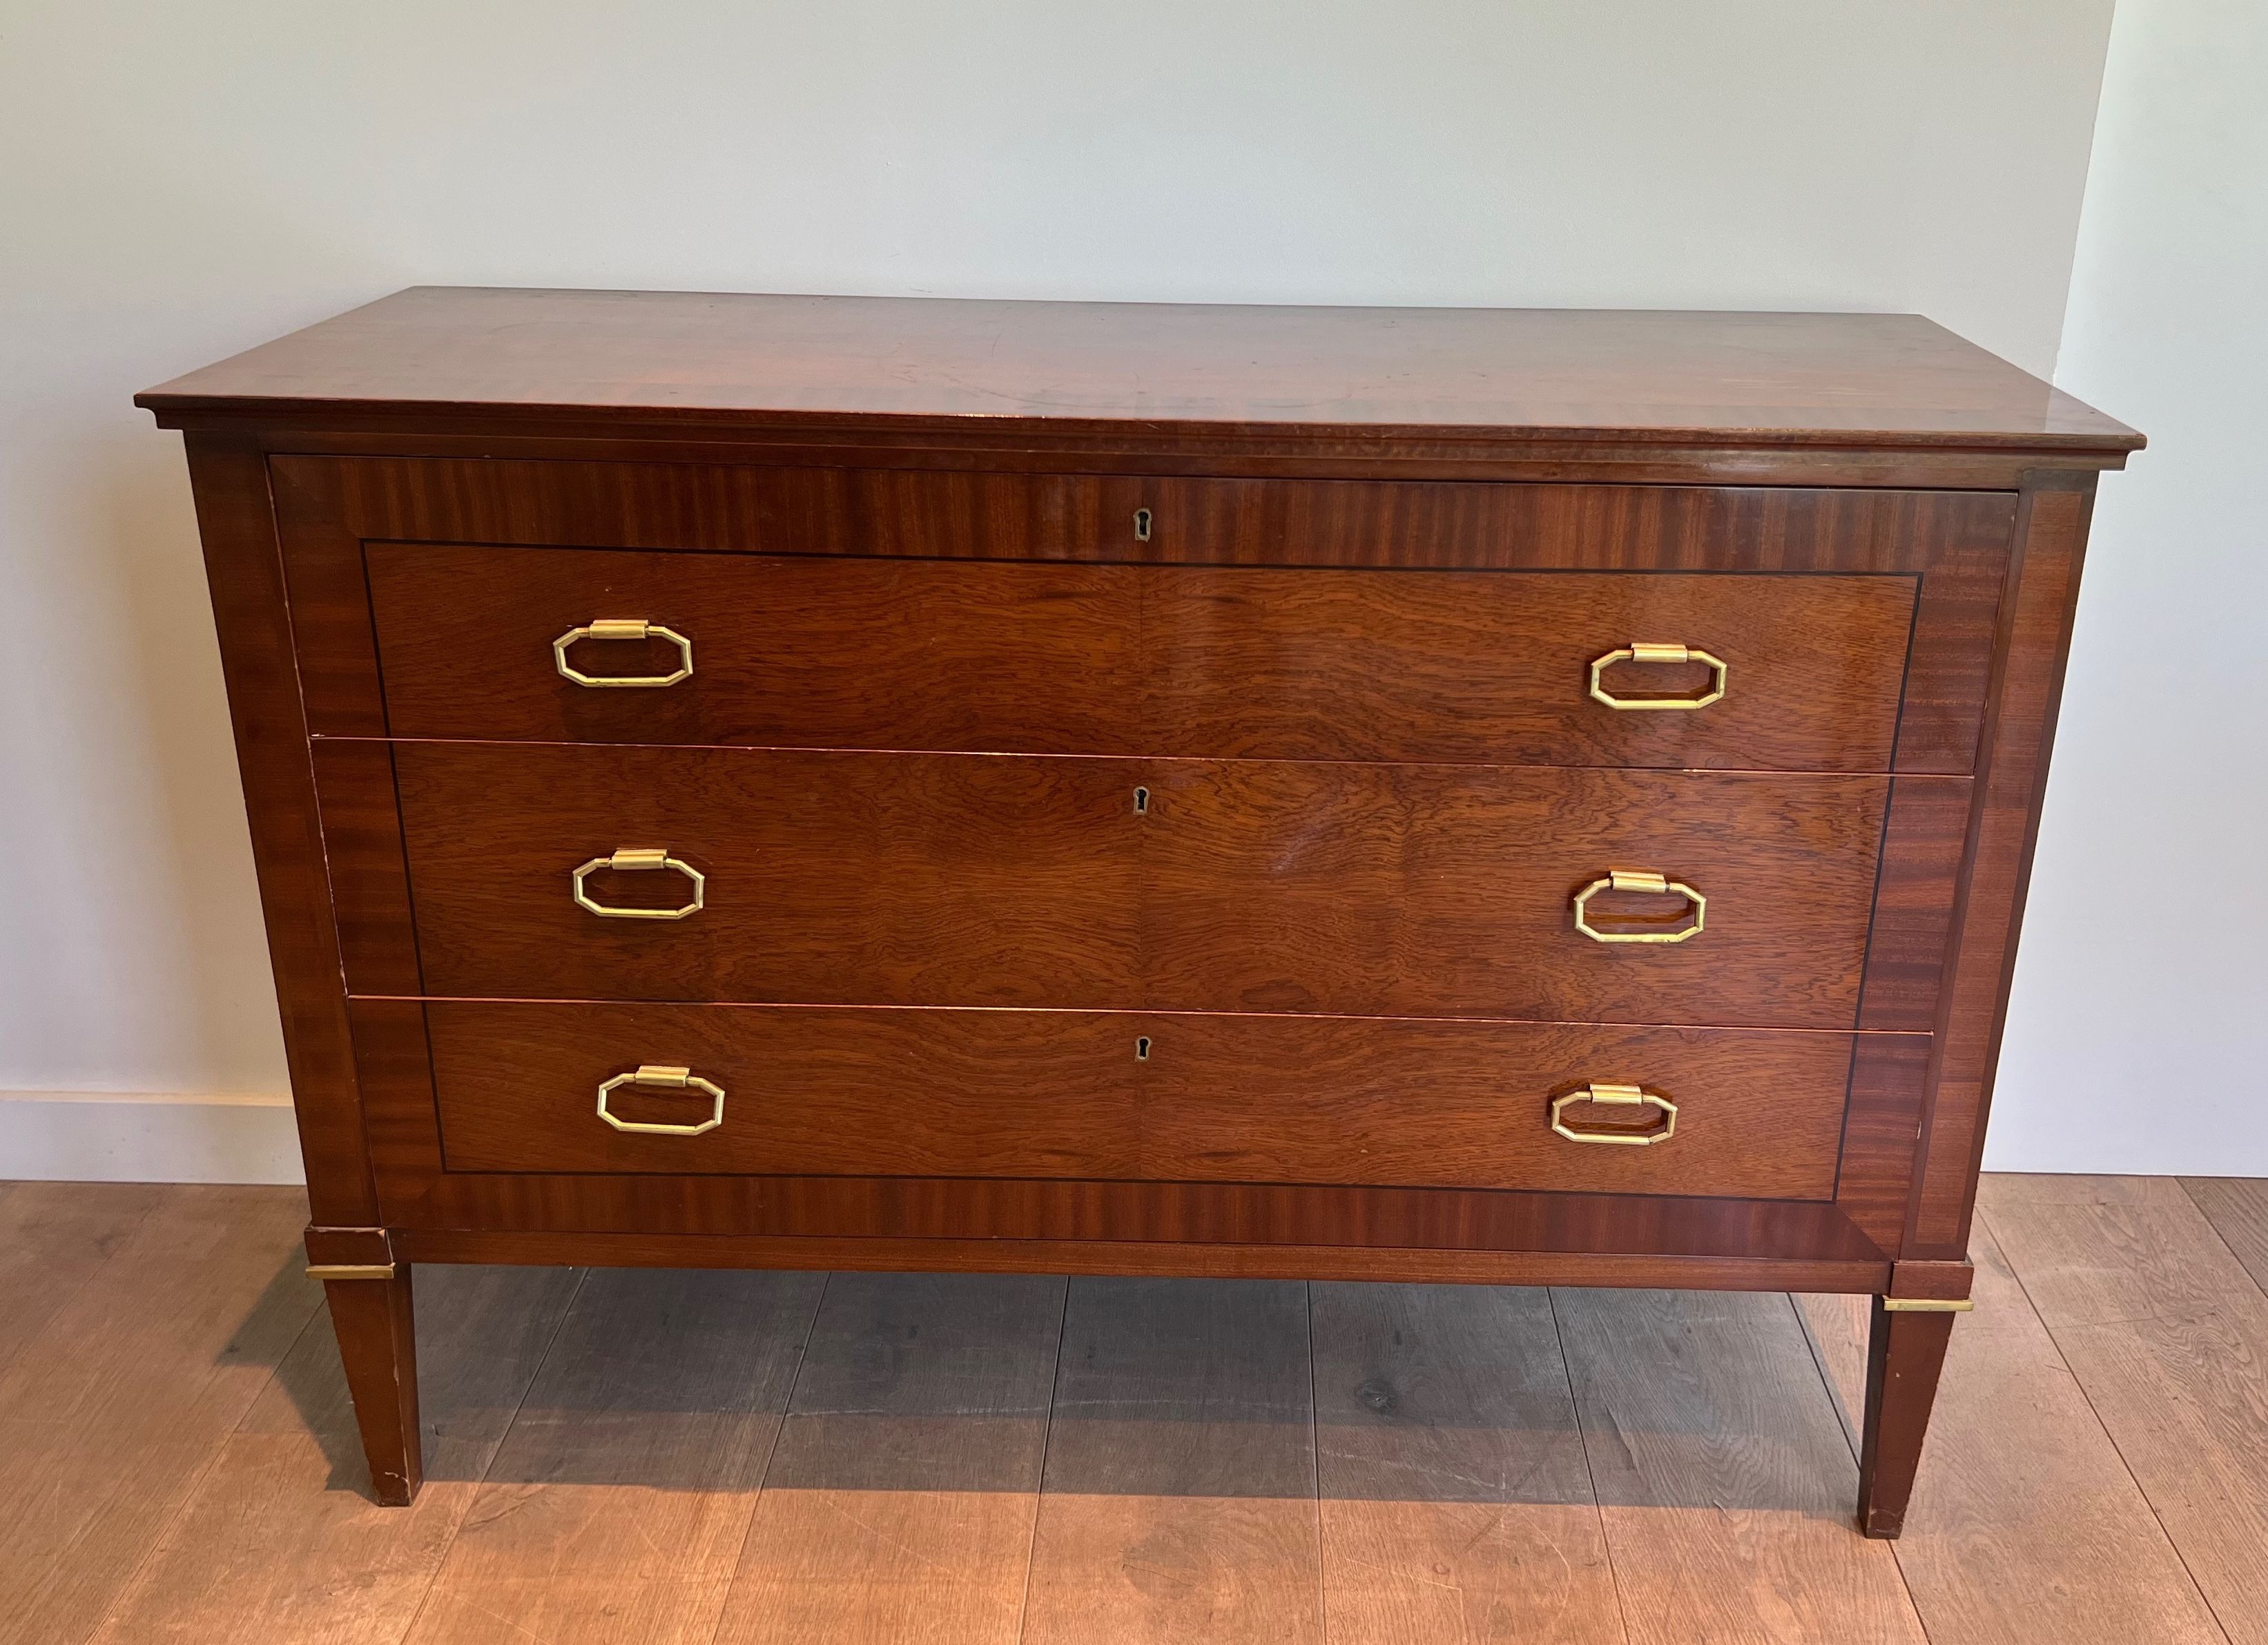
(1125, 1095)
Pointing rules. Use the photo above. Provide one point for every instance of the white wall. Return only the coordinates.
(177, 182)
(2137, 1032)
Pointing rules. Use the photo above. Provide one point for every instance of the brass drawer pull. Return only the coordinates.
(626, 859)
(1651, 884)
(1616, 1096)
(668, 1079)
(1638, 653)
(623, 628)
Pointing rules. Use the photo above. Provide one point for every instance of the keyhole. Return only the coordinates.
(1142, 1048)
(1141, 525)
(1141, 802)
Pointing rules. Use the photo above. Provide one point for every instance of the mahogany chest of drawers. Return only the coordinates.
(1519, 797)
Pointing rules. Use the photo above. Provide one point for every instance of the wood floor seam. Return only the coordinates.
(1047, 1436)
(2219, 1234)
(78, 1286)
(764, 1475)
(128, 1590)
(186, 1487)
(2141, 1486)
(1315, 1463)
(1590, 1474)
(1818, 1361)
(534, 1374)
(794, 1383)
(1850, 1440)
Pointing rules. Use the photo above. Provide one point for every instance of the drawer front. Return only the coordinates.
(1184, 662)
(864, 879)
(867, 879)
(787, 650)
(1437, 891)
(1067, 1095)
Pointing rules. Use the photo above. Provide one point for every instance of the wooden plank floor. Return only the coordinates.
(745, 1459)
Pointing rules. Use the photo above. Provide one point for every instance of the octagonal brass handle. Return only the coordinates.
(666, 1078)
(1611, 1095)
(623, 628)
(1638, 652)
(1651, 884)
(641, 859)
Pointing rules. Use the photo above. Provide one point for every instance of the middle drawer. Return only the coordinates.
(973, 879)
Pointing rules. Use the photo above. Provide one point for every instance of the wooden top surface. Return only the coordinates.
(525, 357)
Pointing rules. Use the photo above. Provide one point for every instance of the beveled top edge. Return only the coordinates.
(520, 359)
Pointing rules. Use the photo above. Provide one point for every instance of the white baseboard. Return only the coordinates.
(139, 1137)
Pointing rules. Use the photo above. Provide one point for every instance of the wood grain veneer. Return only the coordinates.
(1957, 544)
(258, 664)
(1323, 586)
(844, 879)
(916, 365)
(1441, 891)
(803, 652)
(1099, 1094)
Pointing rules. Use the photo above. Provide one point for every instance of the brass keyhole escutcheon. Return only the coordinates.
(1142, 1048)
(1141, 802)
(1141, 525)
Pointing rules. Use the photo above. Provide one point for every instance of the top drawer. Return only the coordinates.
(1034, 657)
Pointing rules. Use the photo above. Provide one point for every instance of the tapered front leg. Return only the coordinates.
(1904, 1353)
(378, 1342)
